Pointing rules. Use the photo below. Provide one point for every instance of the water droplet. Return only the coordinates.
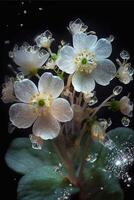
(125, 121)
(128, 185)
(109, 144)
(117, 90)
(103, 123)
(101, 188)
(129, 179)
(11, 54)
(124, 55)
(131, 71)
(111, 38)
(21, 25)
(92, 158)
(20, 76)
(25, 11)
(93, 101)
(37, 142)
(109, 121)
(40, 9)
(7, 41)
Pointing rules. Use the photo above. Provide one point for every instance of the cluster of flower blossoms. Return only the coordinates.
(86, 62)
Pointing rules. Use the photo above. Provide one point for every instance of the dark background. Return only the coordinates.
(104, 17)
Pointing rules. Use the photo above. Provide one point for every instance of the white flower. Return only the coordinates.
(8, 91)
(44, 39)
(125, 74)
(126, 107)
(40, 106)
(77, 26)
(29, 58)
(87, 61)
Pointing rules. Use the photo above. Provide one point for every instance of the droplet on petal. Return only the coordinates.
(117, 90)
(124, 55)
(125, 121)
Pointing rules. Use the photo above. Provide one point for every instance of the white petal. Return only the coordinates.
(52, 85)
(67, 52)
(25, 90)
(22, 115)
(82, 41)
(30, 60)
(65, 60)
(46, 127)
(104, 72)
(61, 110)
(83, 82)
(103, 48)
(66, 65)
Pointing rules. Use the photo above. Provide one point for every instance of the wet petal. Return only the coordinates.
(46, 127)
(83, 82)
(61, 110)
(103, 48)
(82, 41)
(104, 72)
(30, 60)
(65, 60)
(52, 85)
(22, 115)
(25, 90)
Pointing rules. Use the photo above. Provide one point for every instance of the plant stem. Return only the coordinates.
(67, 163)
(102, 105)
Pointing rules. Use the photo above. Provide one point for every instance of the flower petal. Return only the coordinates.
(104, 72)
(83, 82)
(103, 48)
(46, 127)
(61, 110)
(82, 41)
(30, 60)
(65, 60)
(25, 90)
(52, 85)
(22, 115)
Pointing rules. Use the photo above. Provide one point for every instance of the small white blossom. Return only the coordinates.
(40, 106)
(44, 39)
(126, 106)
(87, 61)
(8, 91)
(125, 74)
(29, 58)
(77, 26)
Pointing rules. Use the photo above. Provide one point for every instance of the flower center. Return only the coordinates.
(41, 103)
(85, 62)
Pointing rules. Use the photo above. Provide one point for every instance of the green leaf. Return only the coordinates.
(22, 158)
(121, 135)
(101, 185)
(44, 184)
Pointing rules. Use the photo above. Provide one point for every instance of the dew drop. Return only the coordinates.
(125, 121)
(40, 9)
(7, 42)
(25, 11)
(117, 90)
(93, 101)
(111, 38)
(124, 55)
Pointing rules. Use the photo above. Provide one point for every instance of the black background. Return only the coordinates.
(104, 17)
